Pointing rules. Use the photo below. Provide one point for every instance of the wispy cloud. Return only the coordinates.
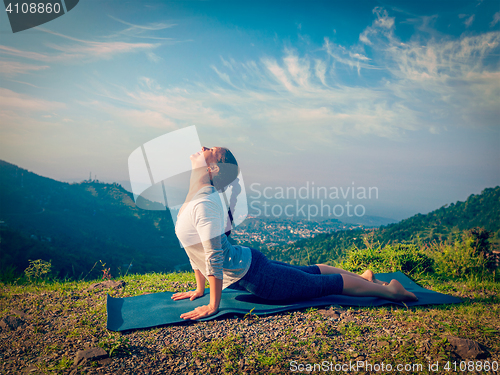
(423, 84)
(153, 57)
(93, 49)
(223, 76)
(278, 73)
(81, 50)
(496, 19)
(348, 58)
(143, 31)
(13, 68)
(469, 20)
(132, 117)
(320, 70)
(13, 101)
(25, 54)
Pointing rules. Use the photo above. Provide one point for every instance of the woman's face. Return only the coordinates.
(206, 156)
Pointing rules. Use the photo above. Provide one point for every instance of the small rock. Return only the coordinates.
(330, 314)
(11, 323)
(108, 284)
(467, 349)
(105, 361)
(347, 318)
(21, 314)
(92, 354)
(383, 343)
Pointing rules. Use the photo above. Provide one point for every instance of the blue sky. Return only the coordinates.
(400, 95)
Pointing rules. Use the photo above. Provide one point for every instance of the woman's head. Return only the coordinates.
(225, 170)
(222, 165)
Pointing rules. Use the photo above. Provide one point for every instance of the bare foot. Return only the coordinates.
(370, 276)
(400, 294)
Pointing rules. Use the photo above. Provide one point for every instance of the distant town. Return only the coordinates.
(280, 232)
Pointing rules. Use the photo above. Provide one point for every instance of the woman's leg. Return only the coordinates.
(325, 269)
(314, 269)
(275, 281)
(280, 281)
(367, 275)
(394, 291)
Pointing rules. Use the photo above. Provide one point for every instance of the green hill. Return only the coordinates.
(76, 225)
(482, 210)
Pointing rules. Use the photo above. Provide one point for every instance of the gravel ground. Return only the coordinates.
(42, 332)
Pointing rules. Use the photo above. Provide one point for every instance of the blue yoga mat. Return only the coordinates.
(151, 310)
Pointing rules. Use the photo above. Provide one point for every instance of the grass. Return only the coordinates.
(67, 316)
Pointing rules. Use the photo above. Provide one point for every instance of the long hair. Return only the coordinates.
(228, 176)
(228, 170)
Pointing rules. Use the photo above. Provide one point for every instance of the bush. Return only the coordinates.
(8, 274)
(38, 269)
(469, 255)
(407, 258)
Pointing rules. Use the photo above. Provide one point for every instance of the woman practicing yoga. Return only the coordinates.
(201, 227)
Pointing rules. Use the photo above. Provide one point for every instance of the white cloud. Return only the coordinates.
(137, 118)
(222, 76)
(496, 19)
(278, 73)
(345, 57)
(13, 68)
(383, 21)
(143, 31)
(153, 57)
(82, 49)
(25, 54)
(299, 69)
(320, 70)
(101, 50)
(423, 84)
(13, 101)
(469, 21)
(149, 83)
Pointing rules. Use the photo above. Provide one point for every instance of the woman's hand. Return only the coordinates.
(192, 295)
(200, 312)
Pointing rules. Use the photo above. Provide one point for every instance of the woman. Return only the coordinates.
(201, 227)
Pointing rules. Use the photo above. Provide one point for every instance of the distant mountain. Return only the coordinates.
(76, 225)
(481, 210)
(368, 221)
(79, 224)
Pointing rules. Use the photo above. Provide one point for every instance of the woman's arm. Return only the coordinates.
(193, 294)
(200, 282)
(208, 219)
(215, 292)
(213, 306)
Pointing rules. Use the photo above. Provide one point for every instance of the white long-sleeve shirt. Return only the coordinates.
(200, 228)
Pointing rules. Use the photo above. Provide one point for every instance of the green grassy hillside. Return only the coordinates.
(75, 225)
(445, 223)
(481, 210)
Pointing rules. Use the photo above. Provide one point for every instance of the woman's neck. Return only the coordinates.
(199, 179)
